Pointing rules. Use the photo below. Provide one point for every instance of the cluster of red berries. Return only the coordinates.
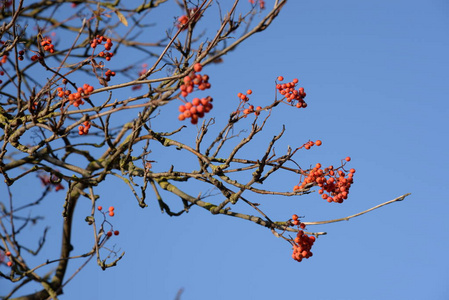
(107, 46)
(84, 128)
(109, 233)
(35, 57)
(294, 97)
(2, 61)
(7, 254)
(21, 53)
(333, 189)
(310, 144)
(302, 245)
(183, 20)
(297, 222)
(47, 45)
(108, 75)
(243, 101)
(302, 242)
(51, 181)
(76, 98)
(261, 3)
(194, 79)
(111, 210)
(195, 109)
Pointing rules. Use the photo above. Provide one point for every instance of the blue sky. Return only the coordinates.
(376, 77)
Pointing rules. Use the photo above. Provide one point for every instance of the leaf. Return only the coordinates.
(121, 17)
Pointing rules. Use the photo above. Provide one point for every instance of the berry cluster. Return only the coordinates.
(76, 98)
(310, 144)
(51, 181)
(35, 57)
(293, 97)
(184, 19)
(194, 79)
(261, 3)
(107, 46)
(109, 233)
(2, 61)
(108, 75)
(47, 45)
(195, 109)
(244, 101)
(302, 245)
(84, 128)
(21, 53)
(333, 189)
(7, 254)
(297, 222)
(111, 210)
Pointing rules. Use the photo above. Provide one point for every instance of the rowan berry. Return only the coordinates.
(280, 78)
(348, 158)
(100, 207)
(116, 232)
(9, 263)
(111, 213)
(295, 217)
(8, 253)
(109, 233)
(197, 67)
(318, 143)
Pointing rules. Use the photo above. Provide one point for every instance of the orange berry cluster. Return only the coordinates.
(84, 128)
(194, 79)
(293, 96)
(302, 245)
(297, 222)
(35, 57)
(195, 109)
(111, 210)
(2, 61)
(7, 254)
(333, 189)
(183, 20)
(47, 45)
(76, 98)
(107, 46)
(310, 144)
(108, 75)
(243, 101)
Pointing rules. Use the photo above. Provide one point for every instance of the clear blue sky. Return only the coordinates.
(377, 83)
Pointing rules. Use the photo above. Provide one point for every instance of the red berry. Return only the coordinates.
(197, 67)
